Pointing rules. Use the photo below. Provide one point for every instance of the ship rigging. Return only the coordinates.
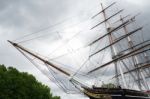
(130, 61)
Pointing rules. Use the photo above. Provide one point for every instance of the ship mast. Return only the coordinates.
(134, 58)
(113, 51)
(118, 57)
(109, 29)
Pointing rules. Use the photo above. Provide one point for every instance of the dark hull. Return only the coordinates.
(114, 93)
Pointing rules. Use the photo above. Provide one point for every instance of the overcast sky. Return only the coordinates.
(21, 17)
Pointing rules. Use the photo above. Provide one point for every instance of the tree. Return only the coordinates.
(21, 85)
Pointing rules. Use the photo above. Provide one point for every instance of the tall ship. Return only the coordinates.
(117, 65)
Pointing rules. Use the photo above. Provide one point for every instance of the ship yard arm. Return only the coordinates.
(133, 52)
(107, 19)
(143, 66)
(114, 29)
(117, 40)
(104, 9)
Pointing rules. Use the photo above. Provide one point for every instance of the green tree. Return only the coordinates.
(21, 85)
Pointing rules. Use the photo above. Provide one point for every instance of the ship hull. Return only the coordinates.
(114, 93)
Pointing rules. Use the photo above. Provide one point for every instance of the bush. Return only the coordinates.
(21, 85)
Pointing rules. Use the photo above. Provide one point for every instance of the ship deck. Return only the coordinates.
(114, 93)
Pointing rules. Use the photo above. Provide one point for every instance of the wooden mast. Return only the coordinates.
(73, 80)
(113, 51)
(130, 44)
(38, 57)
(110, 30)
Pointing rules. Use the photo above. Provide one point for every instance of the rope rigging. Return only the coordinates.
(57, 24)
(60, 84)
(73, 70)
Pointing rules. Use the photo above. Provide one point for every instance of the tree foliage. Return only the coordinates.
(21, 85)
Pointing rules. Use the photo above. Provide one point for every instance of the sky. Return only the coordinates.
(64, 18)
